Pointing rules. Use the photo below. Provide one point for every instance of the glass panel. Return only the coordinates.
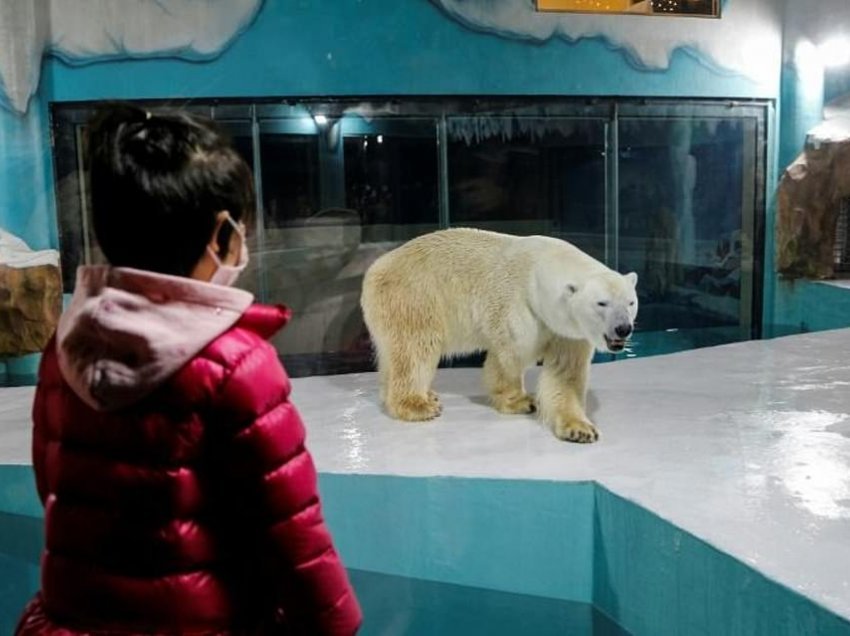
(243, 142)
(290, 175)
(391, 178)
(77, 237)
(335, 200)
(530, 175)
(686, 226)
(70, 194)
(343, 182)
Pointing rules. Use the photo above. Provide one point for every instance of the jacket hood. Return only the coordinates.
(126, 331)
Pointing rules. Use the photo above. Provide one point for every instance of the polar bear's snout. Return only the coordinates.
(623, 331)
(619, 329)
(615, 344)
(606, 308)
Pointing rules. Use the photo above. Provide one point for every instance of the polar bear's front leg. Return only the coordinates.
(562, 389)
(503, 379)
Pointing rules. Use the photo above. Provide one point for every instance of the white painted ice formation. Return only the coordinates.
(746, 41)
(17, 254)
(81, 31)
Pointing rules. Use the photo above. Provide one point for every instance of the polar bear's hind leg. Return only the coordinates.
(408, 368)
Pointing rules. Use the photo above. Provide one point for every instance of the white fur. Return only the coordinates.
(522, 299)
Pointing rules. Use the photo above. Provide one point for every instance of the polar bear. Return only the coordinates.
(520, 299)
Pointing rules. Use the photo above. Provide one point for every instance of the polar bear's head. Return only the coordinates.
(604, 308)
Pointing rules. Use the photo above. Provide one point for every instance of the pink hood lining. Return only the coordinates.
(127, 331)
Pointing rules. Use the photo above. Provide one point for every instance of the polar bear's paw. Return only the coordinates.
(572, 430)
(514, 404)
(434, 399)
(415, 408)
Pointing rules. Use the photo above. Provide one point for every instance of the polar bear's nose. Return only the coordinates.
(623, 331)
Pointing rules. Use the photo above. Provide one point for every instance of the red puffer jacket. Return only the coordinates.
(178, 501)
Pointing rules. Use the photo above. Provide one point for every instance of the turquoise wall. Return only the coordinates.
(21, 541)
(384, 47)
(395, 48)
(410, 48)
(803, 306)
(836, 83)
(590, 546)
(300, 49)
(348, 47)
(27, 204)
(655, 579)
(472, 532)
(802, 100)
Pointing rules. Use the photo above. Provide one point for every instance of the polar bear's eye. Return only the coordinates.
(632, 304)
(602, 303)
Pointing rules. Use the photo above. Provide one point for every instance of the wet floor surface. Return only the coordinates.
(746, 446)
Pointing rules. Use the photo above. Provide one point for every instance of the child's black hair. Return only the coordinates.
(158, 180)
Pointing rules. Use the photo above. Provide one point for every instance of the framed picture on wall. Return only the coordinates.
(695, 8)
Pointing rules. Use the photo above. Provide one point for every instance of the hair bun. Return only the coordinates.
(154, 143)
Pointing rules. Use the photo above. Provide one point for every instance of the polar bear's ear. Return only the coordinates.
(632, 278)
(570, 289)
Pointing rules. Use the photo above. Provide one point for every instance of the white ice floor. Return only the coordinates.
(746, 446)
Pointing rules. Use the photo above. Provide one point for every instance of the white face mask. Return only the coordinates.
(227, 274)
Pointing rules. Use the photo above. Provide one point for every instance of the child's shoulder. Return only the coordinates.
(241, 352)
(250, 335)
(228, 349)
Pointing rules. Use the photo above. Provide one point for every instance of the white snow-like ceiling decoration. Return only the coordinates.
(83, 31)
(746, 41)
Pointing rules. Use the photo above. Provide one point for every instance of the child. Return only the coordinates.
(179, 496)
